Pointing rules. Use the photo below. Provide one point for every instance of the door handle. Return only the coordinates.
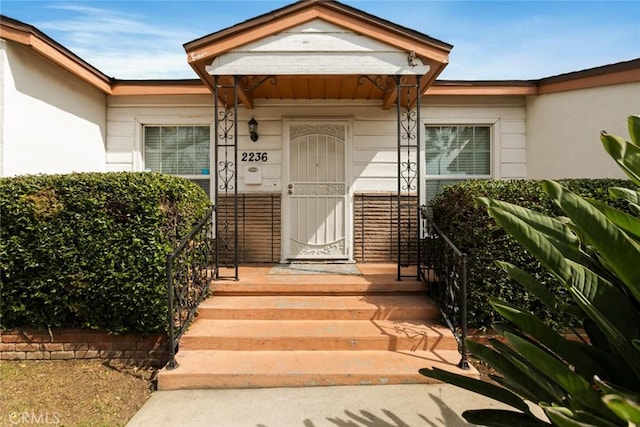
(290, 187)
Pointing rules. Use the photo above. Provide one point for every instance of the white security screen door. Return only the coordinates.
(316, 208)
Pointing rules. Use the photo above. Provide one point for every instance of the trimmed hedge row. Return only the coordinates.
(473, 231)
(89, 250)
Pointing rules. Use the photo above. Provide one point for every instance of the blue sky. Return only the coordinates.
(493, 40)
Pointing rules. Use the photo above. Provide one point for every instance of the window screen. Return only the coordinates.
(455, 153)
(178, 150)
(458, 150)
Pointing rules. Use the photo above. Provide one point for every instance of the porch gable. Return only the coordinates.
(317, 48)
(325, 43)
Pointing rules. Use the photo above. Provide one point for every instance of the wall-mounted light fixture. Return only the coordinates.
(253, 129)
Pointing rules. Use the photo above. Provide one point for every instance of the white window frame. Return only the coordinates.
(494, 154)
(138, 141)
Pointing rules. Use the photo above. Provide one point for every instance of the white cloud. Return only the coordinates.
(121, 44)
(93, 19)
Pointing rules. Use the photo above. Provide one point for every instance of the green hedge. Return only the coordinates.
(89, 250)
(476, 233)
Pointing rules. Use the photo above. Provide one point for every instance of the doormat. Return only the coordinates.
(339, 269)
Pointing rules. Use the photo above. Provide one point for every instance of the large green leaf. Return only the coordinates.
(625, 402)
(624, 408)
(481, 387)
(626, 154)
(534, 241)
(627, 194)
(609, 388)
(599, 352)
(572, 352)
(627, 223)
(619, 251)
(534, 379)
(543, 223)
(602, 293)
(502, 418)
(609, 299)
(596, 336)
(530, 283)
(514, 386)
(564, 417)
(585, 396)
(534, 287)
(633, 123)
(516, 373)
(630, 196)
(556, 231)
(619, 343)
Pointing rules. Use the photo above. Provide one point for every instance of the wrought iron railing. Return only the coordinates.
(444, 268)
(190, 269)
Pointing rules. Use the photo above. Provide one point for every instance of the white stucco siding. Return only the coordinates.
(563, 130)
(4, 66)
(52, 121)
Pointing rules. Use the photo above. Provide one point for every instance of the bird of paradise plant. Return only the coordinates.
(595, 253)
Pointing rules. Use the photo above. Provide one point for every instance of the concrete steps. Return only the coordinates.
(201, 369)
(340, 335)
(266, 284)
(304, 307)
(265, 331)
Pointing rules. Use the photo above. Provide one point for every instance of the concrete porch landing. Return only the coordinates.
(377, 278)
(289, 330)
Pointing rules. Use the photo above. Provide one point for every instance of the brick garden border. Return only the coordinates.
(139, 350)
(66, 344)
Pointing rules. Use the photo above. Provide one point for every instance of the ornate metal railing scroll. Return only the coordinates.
(248, 84)
(444, 268)
(384, 83)
(226, 176)
(408, 203)
(189, 271)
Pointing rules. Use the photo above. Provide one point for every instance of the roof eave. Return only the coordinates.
(29, 36)
(606, 75)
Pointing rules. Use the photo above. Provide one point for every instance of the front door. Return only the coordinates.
(315, 200)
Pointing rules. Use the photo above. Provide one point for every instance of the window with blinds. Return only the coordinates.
(179, 150)
(455, 153)
(458, 150)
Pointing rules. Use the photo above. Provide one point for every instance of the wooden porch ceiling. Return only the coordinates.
(316, 87)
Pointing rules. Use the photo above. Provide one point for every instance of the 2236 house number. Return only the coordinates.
(254, 156)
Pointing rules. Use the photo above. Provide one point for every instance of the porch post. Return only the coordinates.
(419, 175)
(226, 177)
(408, 191)
(214, 170)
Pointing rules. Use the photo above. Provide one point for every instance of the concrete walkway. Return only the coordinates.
(418, 405)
